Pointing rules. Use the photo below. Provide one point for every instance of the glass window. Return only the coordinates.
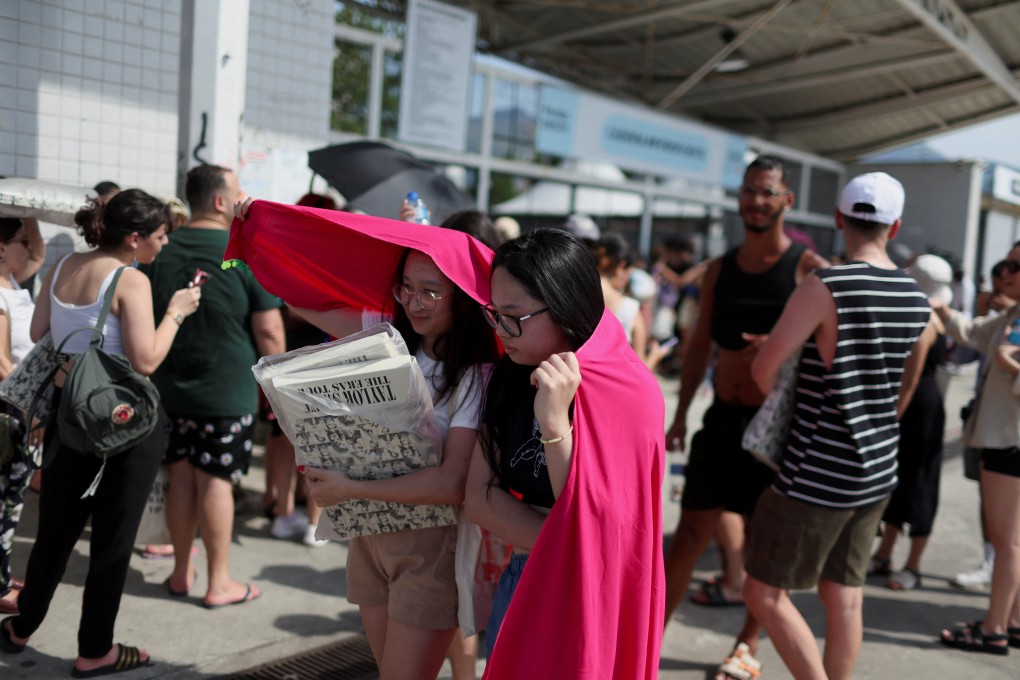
(393, 69)
(515, 108)
(474, 141)
(352, 64)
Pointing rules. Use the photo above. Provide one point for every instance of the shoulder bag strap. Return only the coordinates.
(107, 303)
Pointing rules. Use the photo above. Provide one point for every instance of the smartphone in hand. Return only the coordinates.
(198, 278)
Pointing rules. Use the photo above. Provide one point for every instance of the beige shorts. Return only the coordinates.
(792, 544)
(412, 572)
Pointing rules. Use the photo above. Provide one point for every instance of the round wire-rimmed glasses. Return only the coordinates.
(427, 299)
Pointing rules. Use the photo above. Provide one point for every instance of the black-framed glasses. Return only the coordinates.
(1011, 266)
(427, 299)
(23, 241)
(510, 324)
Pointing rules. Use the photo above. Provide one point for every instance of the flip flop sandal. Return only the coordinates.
(741, 665)
(711, 595)
(907, 579)
(9, 646)
(128, 659)
(971, 638)
(249, 596)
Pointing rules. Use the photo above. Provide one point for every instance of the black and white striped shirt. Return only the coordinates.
(841, 452)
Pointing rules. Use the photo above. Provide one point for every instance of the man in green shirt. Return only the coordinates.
(207, 385)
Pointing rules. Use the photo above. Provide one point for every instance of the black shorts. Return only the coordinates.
(219, 446)
(1003, 461)
(720, 473)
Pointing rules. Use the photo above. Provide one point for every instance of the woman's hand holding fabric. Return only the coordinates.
(244, 202)
(557, 379)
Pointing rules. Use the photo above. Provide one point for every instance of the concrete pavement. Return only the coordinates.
(303, 605)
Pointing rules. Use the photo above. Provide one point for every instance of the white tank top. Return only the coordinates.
(65, 318)
(18, 305)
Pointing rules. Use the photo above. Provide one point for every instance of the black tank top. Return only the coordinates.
(751, 303)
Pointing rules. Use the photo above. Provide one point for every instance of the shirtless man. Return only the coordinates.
(742, 296)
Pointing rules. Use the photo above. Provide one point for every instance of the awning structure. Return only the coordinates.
(839, 78)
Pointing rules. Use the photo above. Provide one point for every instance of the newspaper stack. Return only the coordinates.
(360, 405)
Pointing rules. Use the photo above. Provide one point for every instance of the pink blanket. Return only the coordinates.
(324, 259)
(590, 601)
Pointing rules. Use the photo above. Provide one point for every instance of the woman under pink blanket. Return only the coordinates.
(568, 470)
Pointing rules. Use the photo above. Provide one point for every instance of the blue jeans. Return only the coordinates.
(508, 581)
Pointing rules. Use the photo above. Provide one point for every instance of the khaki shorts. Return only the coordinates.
(412, 572)
(792, 544)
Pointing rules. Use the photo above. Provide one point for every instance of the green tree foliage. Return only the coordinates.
(352, 68)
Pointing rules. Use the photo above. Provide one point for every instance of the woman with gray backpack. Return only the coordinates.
(81, 293)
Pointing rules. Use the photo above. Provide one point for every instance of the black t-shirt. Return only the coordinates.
(522, 466)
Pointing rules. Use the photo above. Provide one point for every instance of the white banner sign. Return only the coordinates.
(436, 85)
(576, 124)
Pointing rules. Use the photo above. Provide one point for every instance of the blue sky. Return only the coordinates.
(997, 141)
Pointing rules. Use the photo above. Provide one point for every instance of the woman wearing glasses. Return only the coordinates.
(404, 582)
(993, 428)
(569, 471)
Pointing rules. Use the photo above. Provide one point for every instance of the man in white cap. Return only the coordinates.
(856, 325)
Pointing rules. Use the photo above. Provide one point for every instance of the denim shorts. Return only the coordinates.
(508, 581)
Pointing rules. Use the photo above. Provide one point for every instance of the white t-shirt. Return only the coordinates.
(17, 303)
(462, 407)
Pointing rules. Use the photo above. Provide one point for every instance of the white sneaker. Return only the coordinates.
(289, 526)
(310, 540)
(978, 578)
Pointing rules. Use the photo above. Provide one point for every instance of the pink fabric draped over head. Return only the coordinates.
(324, 259)
(590, 603)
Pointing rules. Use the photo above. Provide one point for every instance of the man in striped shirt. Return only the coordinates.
(857, 324)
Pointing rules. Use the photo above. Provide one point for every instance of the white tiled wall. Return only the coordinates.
(90, 91)
(290, 72)
(90, 87)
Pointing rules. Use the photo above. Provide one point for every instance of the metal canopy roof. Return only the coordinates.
(839, 78)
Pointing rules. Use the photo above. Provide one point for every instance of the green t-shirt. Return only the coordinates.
(208, 370)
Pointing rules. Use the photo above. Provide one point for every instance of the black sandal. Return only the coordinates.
(971, 638)
(9, 645)
(879, 566)
(1014, 636)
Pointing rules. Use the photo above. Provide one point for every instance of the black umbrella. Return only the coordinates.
(375, 177)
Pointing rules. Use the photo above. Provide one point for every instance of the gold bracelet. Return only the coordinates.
(557, 440)
(178, 317)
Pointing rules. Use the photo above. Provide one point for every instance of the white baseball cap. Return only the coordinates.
(873, 197)
(934, 277)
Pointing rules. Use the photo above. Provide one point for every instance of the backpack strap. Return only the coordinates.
(107, 303)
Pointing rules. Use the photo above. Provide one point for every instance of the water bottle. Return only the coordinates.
(421, 211)
(1014, 333)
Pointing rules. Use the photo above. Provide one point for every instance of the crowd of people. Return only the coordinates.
(540, 370)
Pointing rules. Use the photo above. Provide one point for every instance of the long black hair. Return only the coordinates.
(468, 344)
(557, 269)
